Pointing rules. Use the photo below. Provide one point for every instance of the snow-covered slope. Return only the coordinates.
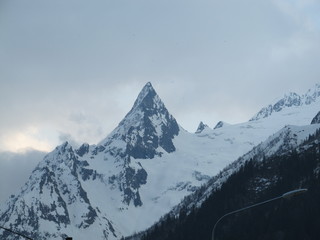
(288, 139)
(289, 159)
(143, 168)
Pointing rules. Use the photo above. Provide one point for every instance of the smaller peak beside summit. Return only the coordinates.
(316, 119)
(221, 124)
(201, 127)
(63, 147)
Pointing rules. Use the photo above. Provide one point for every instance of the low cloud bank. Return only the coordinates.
(15, 169)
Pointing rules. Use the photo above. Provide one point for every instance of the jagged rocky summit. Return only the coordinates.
(221, 124)
(288, 101)
(138, 173)
(145, 129)
(316, 119)
(53, 204)
(79, 192)
(202, 127)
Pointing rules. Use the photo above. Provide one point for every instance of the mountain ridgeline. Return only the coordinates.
(288, 101)
(150, 168)
(58, 199)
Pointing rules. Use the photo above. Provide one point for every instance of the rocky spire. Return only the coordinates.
(146, 127)
(201, 127)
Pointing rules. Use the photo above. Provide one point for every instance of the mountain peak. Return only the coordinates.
(220, 124)
(146, 93)
(201, 127)
(312, 94)
(316, 119)
(288, 101)
(146, 127)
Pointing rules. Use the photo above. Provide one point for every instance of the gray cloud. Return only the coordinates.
(65, 137)
(15, 169)
(75, 67)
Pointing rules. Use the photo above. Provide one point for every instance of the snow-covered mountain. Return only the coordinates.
(138, 173)
(53, 204)
(289, 159)
(146, 131)
(290, 100)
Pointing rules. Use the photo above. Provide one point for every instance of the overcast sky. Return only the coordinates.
(71, 69)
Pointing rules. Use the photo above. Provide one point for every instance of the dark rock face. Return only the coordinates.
(98, 149)
(201, 127)
(130, 180)
(316, 119)
(144, 146)
(219, 125)
(155, 117)
(83, 149)
(87, 174)
(168, 134)
(49, 212)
